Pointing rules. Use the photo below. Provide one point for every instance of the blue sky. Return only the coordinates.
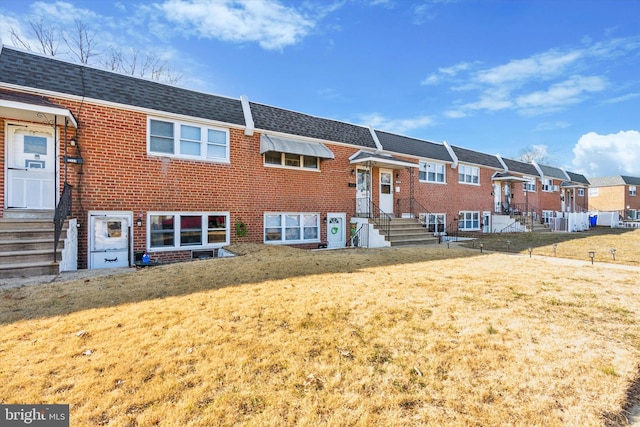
(499, 77)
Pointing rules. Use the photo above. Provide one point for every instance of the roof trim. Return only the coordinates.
(294, 146)
(452, 154)
(35, 113)
(504, 165)
(250, 126)
(375, 138)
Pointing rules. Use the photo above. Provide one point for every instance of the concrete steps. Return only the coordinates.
(408, 231)
(26, 247)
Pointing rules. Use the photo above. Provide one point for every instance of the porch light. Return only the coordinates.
(353, 171)
(613, 253)
(139, 222)
(592, 254)
(73, 142)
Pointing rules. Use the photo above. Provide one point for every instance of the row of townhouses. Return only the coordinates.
(124, 165)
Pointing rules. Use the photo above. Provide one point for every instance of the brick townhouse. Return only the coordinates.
(134, 165)
(616, 193)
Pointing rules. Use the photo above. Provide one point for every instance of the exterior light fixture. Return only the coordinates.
(73, 142)
(592, 254)
(555, 247)
(139, 222)
(353, 171)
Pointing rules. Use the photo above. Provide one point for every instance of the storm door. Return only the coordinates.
(109, 241)
(30, 167)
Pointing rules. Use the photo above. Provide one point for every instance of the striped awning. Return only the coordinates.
(294, 146)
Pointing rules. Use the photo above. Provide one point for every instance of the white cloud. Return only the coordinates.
(560, 94)
(396, 125)
(266, 22)
(545, 126)
(622, 98)
(544, 82)
(604, 155)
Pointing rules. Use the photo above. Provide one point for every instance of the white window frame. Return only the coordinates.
(548, 187)
(204, 225)
(580, 192)
(204, 143)
(529, 186)
(594, 192)
(288, 158)
(272, 229)
(469, 175)
(434, 221)
(633, 191)
(474, 217)
(432, 168)
(547, 216)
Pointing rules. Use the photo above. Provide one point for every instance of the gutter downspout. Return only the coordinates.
(248, 117)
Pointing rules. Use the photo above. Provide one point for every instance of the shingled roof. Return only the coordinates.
(612, 181)
(578, 178)
(415, 147)
(552, 172)
(279, 120)
(474, 157)
(40, 72)
(520, 167)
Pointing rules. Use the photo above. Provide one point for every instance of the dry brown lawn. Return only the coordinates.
(417, 336)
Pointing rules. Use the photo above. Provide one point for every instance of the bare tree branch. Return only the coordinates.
(47, 37)
(80, 42)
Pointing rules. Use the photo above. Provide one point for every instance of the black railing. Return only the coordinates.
(452, 232)
(63, 210)
(412, 207)
(380, 218)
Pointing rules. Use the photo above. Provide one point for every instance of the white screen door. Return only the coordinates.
(30, 167)
(336, 232)
(109, 241)
(386, 191)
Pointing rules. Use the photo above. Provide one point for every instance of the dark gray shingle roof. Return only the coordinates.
(474, 157)
(552, 172)
(576, 177)
(40, 72)
(520, 167)
(279, 120)
(416, 147)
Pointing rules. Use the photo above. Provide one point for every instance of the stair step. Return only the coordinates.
(8, 271)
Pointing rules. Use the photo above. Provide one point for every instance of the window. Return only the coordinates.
(547, 185)
(547, 217)
(291, 160)
(468, 174)
(594, 192)
(632, 190)
(188, 140)
(435, 223)
(187, 230)
(529, 186)
(580, 192)
(291, 228)
(431, 172)
(469, 220)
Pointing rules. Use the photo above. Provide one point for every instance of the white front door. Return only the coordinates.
(336, 231)
(109, 240)
(30, 167)
(386, 191)
(496, 199)
(363, 192)
(486, 222)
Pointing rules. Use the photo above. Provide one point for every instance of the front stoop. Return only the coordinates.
(408, 231)
(26, 247)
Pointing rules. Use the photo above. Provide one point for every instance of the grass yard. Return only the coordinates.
(416, 336)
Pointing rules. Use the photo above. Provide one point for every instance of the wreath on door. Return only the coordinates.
(334, 230)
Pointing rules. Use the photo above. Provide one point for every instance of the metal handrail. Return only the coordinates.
(63, 210)
(452, 232)
(359, 239)
(411, 206)
(380, 218)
